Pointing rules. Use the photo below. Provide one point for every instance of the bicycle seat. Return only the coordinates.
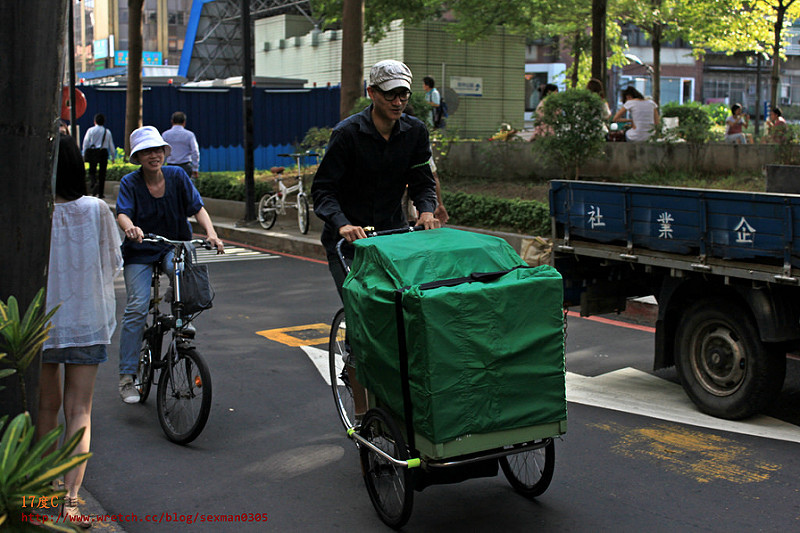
(277, 170)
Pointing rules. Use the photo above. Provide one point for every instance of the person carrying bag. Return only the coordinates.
(98, 145)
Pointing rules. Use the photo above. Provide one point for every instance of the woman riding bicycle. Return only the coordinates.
(154, 199)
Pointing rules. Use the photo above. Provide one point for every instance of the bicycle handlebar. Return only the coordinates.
(372, 233)
(152, 237)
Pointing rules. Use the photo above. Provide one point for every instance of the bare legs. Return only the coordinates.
(78, 392)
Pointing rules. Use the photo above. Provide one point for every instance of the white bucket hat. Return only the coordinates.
(390, 74)
(144, 138)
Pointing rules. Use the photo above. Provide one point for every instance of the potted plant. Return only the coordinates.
(26, 475)
(21, 338)
(26, 469)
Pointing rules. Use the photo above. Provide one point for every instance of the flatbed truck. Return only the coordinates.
(723, 266)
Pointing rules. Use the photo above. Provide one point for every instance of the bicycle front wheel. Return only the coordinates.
(268, 211)
(302, 213)
(184, 396)
(341, 368)
(390, 486)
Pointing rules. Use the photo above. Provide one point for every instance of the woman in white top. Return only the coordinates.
(643, 115)
(85, 258)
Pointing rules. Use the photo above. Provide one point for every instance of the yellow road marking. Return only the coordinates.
(299, 335)
(698, 455)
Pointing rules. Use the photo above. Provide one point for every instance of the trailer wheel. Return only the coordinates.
(723, 366)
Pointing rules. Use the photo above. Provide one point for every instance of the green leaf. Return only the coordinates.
(55, 471)
(28, 465)
(10, 445)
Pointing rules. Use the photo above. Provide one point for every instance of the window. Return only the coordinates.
(533, 80)
(680, 90)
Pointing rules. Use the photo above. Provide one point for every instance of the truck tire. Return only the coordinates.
(723, 366)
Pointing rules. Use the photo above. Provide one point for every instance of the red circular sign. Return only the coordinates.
(80, 103)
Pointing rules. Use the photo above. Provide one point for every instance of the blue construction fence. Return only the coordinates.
(281, 119)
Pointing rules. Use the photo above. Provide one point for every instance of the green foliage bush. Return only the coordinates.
(717, 113)
(694, 124)
(230, 185)
(116, 171)
(504, 214)
(574, 122)
(316, 139)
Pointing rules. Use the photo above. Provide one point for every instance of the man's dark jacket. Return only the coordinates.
(362, 177)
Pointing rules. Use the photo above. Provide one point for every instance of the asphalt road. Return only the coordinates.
(273, 447)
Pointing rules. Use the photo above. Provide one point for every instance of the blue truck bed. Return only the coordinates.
(730, 225)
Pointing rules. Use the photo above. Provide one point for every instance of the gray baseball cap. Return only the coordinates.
(390, 74)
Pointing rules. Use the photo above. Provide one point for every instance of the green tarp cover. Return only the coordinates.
(483, 356)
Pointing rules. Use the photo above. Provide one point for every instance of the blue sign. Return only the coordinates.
(148, 58)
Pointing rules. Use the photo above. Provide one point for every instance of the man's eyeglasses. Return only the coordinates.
(402, 94)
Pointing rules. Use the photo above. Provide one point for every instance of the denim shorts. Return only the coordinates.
(77, 355)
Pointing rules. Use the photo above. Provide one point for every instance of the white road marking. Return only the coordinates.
(232, 253)
(632, 391)
(636, 392)
(320, 360)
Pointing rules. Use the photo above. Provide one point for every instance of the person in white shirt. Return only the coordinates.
(643, 115)
(98, 147)
(185, 151)
(85, 258)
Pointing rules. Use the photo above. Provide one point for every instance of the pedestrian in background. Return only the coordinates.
(540, 129)
(98, 147)
(596, 86)
(643, 115)
(434, 99)
(85, 258)
(777, 127)
(734, 125)
(185, 151)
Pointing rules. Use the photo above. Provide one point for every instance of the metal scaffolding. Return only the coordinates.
(216, 28)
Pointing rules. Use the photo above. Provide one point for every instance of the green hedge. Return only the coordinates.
(529, 217)
(503, 214)
(230, 186)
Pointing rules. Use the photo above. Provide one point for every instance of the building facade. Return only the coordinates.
(481, 82)
(101, 32)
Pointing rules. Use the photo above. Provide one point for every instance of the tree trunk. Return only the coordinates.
(133, 104)
(352, 55)
(599, 44)
(576, 50)
(775, 77)
(657, 63)
(32, 49)
(247, 115)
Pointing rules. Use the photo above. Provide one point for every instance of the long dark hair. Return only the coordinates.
(70, 172)
(631, 92)
(596, 86)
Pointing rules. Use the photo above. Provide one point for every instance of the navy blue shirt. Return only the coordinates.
(166, 216)
(362, 177)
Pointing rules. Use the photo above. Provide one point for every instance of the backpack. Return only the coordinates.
(439, 114)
